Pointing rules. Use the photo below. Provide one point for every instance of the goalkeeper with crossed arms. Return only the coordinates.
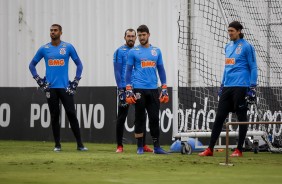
(237, 88)
(142, 91)
(56, 84)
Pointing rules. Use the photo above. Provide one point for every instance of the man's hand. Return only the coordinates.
(71, 89)
(42, 83)
(130, 96)
(122, 97)
(251, 94)
(164, 98)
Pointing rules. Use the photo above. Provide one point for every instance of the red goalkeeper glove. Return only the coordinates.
(130, 96)
(164, 98)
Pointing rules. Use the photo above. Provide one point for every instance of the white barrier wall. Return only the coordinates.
(95, 27)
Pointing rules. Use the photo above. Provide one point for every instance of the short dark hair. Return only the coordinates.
(58, 25)
(238, 26)
(143, 28)
(130, 30)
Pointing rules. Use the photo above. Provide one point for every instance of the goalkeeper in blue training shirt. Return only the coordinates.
(145, 60)
(56, 84)
(238, 84)
(120, 58)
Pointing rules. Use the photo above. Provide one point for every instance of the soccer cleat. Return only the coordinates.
(57, 149)
(119, 149)
(140, 150)
(237, 153)
(82, 148)
(147, 148)
(207, 152)
(159, 150)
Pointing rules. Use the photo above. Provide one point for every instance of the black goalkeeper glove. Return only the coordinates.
(122, 97)
(42, 83)
(251, 95)
(71, 89)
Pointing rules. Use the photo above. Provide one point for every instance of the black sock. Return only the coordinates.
(156, 142)
(140, 142)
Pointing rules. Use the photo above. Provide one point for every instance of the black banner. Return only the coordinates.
(24, 115)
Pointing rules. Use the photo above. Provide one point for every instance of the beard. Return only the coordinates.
(130, 43)
(55, 37)
(144, 42)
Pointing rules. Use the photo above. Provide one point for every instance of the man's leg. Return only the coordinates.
(224, 107)
(145, 146)
(140, 120)
(54, 108)
(68, 103)
(122, 114)
(153, 107)
(241, 112)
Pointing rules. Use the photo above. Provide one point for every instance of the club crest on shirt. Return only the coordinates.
(238, 50)
(154, 52)
(62, 51)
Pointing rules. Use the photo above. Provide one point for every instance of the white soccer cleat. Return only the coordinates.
(57, 149)
(82, 149)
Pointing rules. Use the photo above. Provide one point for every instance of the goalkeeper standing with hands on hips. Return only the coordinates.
(237, 88)
(145, 60)
(120, 58)
(56, 84)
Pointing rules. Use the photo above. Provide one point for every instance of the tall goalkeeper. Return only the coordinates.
(120, 58)
(146, 60)
(238, 85)
(56, 84)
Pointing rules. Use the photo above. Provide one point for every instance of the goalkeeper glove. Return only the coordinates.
(251, 94)
(122, 97)
(71, 89)
(42, 83)
(164, 98)
(130, 96)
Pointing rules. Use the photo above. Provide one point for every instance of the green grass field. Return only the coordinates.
(35, 162)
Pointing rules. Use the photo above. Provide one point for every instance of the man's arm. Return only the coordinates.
(130, 96)
(77, 61)
(71, 89)
(118, 67)
(43, 84)
(32, 65)
(160, 68)
(164, 98)
(253, 65)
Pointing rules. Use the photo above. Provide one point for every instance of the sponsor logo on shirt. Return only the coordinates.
(62, 51)
(229, 61)
(148, 64)
(56, 62)
(154, 52)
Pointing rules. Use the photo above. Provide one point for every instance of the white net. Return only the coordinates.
(202, 38)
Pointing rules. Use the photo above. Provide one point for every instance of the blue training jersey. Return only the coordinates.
(56, 62)
(120, 58)
(145, 62)
(240, 65)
